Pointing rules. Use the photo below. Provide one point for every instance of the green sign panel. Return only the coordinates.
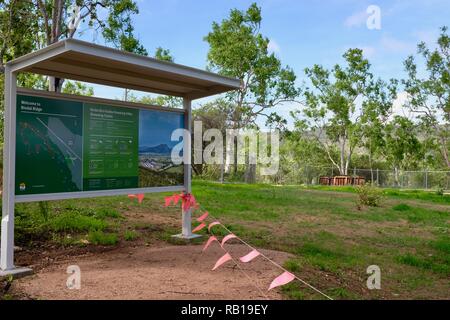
(68, 146)
(110, 147)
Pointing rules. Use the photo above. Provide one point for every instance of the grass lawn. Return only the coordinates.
(332, 242)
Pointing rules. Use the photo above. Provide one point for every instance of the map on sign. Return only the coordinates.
(48, 145)
(68, 146)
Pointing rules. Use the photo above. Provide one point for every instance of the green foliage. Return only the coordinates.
(164, 55)
(369, 195)
(78, 88)
(429, 97)
(403, 148)
(331, 113)
(101, 238)
(238, 49)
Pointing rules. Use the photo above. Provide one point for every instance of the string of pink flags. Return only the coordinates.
(188, 201)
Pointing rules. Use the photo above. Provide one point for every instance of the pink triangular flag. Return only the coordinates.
(250, 256)
(168, 200)
(208, 243)
(227, 237)
(199, 227)
(203, 217)
(226, 257)
(140, 197)
(212, 224)
(282, 279)
(176, 198)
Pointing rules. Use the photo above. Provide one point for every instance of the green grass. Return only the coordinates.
(327, 233)
(75, 223)
(430, 195)
(102, 238)
(331, 242)
(130, 235)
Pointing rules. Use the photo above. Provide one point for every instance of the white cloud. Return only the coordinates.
(273, 47)
(356, 20)
(395, 45)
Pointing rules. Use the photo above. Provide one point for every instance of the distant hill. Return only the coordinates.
(160, 149)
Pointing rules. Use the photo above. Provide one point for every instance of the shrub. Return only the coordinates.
(101, 238)
(369, 196)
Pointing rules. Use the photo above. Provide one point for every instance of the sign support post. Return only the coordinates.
(186, 215)
(9, 162)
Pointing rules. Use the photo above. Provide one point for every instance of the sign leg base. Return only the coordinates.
(189, 237)
(16, 273)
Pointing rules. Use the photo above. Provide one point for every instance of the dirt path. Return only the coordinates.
(169, 272)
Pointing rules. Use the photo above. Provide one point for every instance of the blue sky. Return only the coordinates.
(302, 33)
(156, 127)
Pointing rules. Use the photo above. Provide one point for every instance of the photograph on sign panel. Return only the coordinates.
(156, 167)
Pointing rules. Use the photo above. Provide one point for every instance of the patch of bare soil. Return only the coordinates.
(169, 272)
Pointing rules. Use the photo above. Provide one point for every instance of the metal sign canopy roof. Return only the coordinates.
(84, 61)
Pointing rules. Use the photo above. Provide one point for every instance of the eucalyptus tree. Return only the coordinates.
(238, 49)
(402, 149)
(429, 96)
(343, 107)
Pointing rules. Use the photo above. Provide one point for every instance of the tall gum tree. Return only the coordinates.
(338, 102)
(429, 97)
(238, 49)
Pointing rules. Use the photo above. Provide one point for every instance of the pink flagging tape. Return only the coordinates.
(227, 237)
(176, 198)
(203, 217)
(250, 256)
(140, 197)
(212, 224)
(199, 227)
(208, 243)
(167, 201)
(188, 202)
(226, 257)
(281, 280)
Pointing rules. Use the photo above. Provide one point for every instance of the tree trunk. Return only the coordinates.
(396, 180)
(371, 168)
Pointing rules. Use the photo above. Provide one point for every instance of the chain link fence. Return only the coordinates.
(311, 175)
